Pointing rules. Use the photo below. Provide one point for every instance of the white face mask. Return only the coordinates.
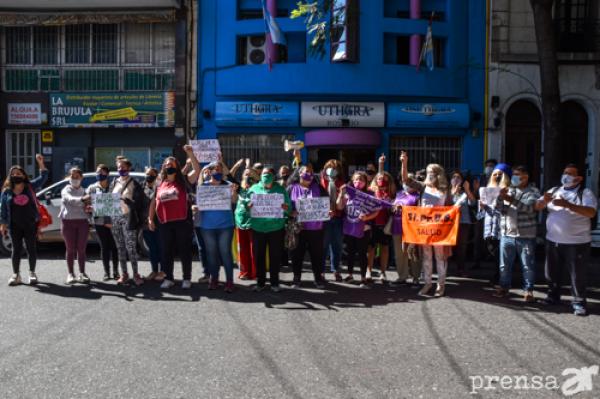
(75, 182)
(567, 181)
(488, 170)
(515, 181)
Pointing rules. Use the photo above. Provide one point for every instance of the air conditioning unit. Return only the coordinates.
(256, 52)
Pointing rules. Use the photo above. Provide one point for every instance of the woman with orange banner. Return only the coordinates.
(434, 194)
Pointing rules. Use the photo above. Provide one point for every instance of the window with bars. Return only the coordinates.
(423, 150)
(576, 25)
(88, 57)
(264, 148)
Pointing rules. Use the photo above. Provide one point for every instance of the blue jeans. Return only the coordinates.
(153, 242)
(218, 246)
(201, 249)
(333, 242)
(510, 248)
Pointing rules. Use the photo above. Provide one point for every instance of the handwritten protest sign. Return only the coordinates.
(312, 209)
(213, 198)
(206, 150)
(489, 195)
(106, 204)
(267, 206)
(436, 225)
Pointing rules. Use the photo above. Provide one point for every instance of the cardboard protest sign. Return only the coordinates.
(489, 195)
(313, 209)
(436, 225)
(213, 198)
(106, 204)
(206, 151)
(267, 206)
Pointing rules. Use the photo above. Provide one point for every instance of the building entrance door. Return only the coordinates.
(352, 159)
(21, 146)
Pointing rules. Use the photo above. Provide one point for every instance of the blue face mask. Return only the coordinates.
(515, 181)
(217, 176)
(101, 177)
(123, 172)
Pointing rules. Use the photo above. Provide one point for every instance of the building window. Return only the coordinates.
(397, 50)
(104, 44)
(18, 45)
(401, 9)
(45, 45)
(575, 26)
(77, 44)
(423, 150)
(344, 31)
(264, 148)
(138, 43)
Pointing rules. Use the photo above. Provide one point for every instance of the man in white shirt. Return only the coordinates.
(571, 210)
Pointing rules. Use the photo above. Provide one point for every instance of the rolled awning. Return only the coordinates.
(342, 137)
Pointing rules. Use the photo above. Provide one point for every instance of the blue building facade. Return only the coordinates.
(352, 108)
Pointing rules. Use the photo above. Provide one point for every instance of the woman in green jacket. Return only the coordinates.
(268, 232)
(247, 261)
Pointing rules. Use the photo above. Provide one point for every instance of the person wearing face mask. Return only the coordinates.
(383, 188)
(518, 229)
(331, 180)
(216, 227)
(125, 226)
(433, 192)
(310, 237)
(268, 232)
(74, 225)
(405, 266)
(371, 171)
(465, 199)
(571, 211)
(103, 224)
(151, 238)
(247, 262)
(284, 175)
(356, 227)
(172, 208)
(19, 216)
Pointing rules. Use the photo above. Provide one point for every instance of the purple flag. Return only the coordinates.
(360, 203)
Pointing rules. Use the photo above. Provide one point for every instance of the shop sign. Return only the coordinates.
(428, 115)
(143, 109)
(343, 114)
(24, 113)
(256, 113)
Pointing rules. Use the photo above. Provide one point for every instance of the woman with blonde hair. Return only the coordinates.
(434, 192)
(383, 188)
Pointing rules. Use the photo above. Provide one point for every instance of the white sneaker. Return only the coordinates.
(383, 277)
(33, 280)
(15, 279)
(166, 284)
(84, 279)
(71, 279)
(425, 290)
(439, 291)
(186, 284)
(368, 274)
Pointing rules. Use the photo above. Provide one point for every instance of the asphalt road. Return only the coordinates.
(104, 341)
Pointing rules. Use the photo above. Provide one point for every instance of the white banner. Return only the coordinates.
(206, 151)
(338, 114)
(313, 209)
(106, 204)
(213, 198)
(267, 206)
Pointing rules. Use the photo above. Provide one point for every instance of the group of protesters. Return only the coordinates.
(163, 207)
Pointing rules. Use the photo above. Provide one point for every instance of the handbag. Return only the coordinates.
(45, 217)
(292, 229)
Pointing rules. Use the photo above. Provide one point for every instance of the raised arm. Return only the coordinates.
(195, 173)
(381, 164)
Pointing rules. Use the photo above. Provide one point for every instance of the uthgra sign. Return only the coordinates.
(145, 109)
(338, 114)
(249, 113)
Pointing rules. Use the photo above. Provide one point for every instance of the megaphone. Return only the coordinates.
(293, 145)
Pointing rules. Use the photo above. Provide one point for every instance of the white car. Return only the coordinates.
(50, 198)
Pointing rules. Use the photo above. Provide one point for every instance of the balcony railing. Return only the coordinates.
(92, 78)
(577, 35)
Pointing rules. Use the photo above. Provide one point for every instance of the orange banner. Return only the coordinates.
(437, 225)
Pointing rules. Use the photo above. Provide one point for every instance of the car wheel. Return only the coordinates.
(142, 246)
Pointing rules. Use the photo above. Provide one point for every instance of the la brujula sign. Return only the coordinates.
(343, 114)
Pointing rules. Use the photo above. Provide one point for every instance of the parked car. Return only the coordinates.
(50, 198)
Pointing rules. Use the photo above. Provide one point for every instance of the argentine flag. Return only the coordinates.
(273, 29)
(427, 50)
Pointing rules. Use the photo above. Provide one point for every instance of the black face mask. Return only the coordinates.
(150, 178)
(171, 171)
(371, 172)
(17, 179)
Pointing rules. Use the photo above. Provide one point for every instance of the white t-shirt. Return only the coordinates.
(432, 198)
(567, 227)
